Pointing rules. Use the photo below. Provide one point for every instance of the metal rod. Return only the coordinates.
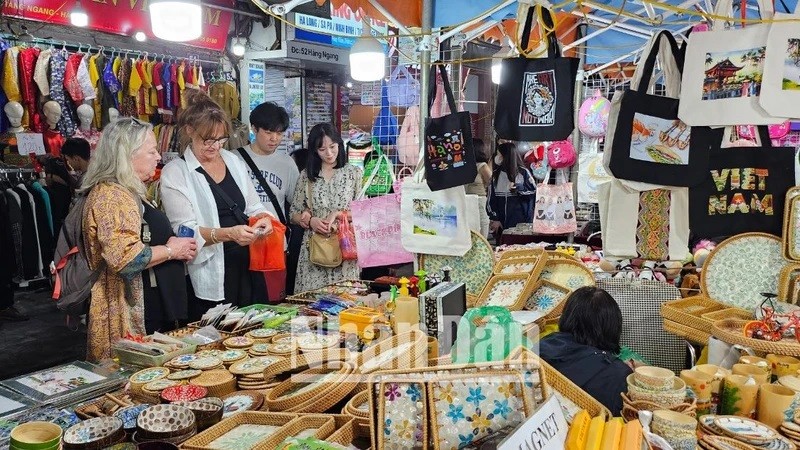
(576, 136)
(424, 66)
(614, 61)
(232, 10)
(376, 4)
(451, 33)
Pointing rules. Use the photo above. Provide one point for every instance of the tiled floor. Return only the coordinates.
(44, 341)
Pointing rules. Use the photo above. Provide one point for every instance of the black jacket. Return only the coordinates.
(599, 373)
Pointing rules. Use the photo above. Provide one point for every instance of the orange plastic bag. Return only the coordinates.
(347, 240)
(267, 252)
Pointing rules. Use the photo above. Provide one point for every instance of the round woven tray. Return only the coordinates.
(403, 360)
(732, 332)
(689, 311)
(351, 408)
(303, 361)
(317, 399)
(690, 334)
(219, 382)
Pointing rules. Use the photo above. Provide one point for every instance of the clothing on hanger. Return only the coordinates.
(166, 79)
(53, 141)
(40, 72)
(30, 99)
(58, 65)
(92, 136)
(71, 83)
(226, 95)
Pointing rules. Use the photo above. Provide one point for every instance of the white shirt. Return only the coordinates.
(280, 171)
(188, 201)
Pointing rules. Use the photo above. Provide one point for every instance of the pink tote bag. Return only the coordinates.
(376, 222)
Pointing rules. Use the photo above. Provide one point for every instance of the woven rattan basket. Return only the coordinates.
(330, 385)
(352, 406)
(219, 382)
(520, 253)
(732, 332)
(345, 432)
(690, 334)
(202, 440)
(323, 426)
(689, 311)
(531, 265)
(375, 358)
(304, 361)
(491, 294)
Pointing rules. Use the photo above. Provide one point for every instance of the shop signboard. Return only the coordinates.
(255, 83)
(325, 54)
(546, 429)
(344, 22)
(124, 17)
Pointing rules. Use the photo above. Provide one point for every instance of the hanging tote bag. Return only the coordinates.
(744, 190)
(651, 224)
(449, 156)
(646, 142)
(722, 78)
(378, 173)
(376, 224)
(536, 95)
(554, 211)
(385, 126)
(408, 141)
(591, 173)
(434, 222)
(403, 91)
(780, 87)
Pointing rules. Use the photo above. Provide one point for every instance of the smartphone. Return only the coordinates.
(184, 231)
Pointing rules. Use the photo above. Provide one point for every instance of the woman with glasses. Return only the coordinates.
(123, 234)
(209, 192)
(331, 184)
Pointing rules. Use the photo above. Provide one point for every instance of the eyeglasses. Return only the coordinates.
(211, 142)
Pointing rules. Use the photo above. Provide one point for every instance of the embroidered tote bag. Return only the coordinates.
(536, 95)
(404, 90)
(554, 211)
(434, 222)
(780, 88)
(722, 78)
(651, 224)
(646, 142)
(449, 156)
(744, 190)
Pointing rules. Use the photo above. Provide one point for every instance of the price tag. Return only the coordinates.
(546, 429)
(28, 143)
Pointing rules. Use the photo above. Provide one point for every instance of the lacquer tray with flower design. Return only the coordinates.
(510, 291)
(741, 268)
(473, 269)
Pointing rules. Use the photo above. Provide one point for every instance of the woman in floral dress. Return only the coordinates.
(332, 184)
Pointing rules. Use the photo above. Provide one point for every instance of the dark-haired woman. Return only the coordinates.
(586, 347)
(331, 184)
(512, 191)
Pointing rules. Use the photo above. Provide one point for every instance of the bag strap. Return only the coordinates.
(669, 54)
(235, 209)
(264, 184)
(451, 101)
(724, 9)
(547, 27)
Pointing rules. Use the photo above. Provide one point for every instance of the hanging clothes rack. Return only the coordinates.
(108, 51)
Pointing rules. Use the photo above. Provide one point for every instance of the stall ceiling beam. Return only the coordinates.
(458, 29)
(377, 5)
(614, 61)
(616, 26)
(477, 32)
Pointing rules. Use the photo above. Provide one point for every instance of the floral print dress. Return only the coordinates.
(327, 196)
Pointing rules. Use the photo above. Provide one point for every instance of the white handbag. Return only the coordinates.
(721, 73)
(651, 224)
(434, 222)
(780, 88)
(591, 173)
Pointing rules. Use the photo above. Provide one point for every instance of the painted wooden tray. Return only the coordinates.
(473, 269)
(510, 291)
(740, 268)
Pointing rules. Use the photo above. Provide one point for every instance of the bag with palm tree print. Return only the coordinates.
(724, 71)
(434, 222)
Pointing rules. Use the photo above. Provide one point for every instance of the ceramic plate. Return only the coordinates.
(570, 274)
(781, 443)
(707, 422)
(260, 348)
(159, 385)
(128, 415)
(253, 365)
(184, 393)
(724, 443)
(262, 333)
(240, 402)
(474, 268)
(184, 374)
(238, 342)
(232, 355)
(205, 363)
(92, 430)
(734, 259)
(746, 430)
(148, 375)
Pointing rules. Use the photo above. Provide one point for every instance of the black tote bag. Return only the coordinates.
(648, 142)
(535, 100)
(449, 156)
(744, 189)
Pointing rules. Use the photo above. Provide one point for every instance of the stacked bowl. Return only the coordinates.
(94, 434)
(167, 423)
(35, 436)
(658, 386)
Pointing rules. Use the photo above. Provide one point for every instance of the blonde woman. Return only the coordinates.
(209, 191)
(125, 158)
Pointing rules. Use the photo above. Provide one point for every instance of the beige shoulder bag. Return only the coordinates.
(324, 250)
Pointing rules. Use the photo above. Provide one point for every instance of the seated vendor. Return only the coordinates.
(586, 348)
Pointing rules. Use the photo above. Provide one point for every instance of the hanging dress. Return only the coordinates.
(58, 66)
(30, 98)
